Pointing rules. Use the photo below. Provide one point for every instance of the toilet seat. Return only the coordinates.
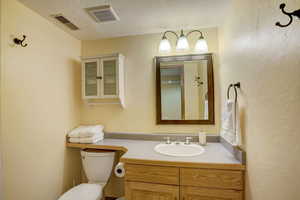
(83, 191)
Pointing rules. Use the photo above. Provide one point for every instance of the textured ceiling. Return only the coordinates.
(136, 16)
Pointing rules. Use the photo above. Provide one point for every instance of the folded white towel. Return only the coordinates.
(90, 131)
(86, 131)
(91, 140)
(88, 140)
(74, 140)
(75, 132)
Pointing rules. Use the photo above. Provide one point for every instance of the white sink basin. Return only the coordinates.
(179, 150)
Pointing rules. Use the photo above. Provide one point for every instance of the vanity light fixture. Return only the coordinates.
(182, 43)
(164, 45)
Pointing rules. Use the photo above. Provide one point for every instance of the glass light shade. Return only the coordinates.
(201, 45)
(164, 45)
(182, 44)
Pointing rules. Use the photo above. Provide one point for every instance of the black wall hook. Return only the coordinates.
(20, 42)
(234, 86)
(296, 13)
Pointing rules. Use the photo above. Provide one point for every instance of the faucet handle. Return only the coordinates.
(168, 140)
(188, 140)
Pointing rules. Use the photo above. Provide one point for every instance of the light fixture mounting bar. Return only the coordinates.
(164, 35)
(195, 31)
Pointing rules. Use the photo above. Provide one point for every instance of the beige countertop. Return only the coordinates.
(142, 152)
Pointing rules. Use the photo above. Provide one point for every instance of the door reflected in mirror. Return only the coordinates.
(184, 90)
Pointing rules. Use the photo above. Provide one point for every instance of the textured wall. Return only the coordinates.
(265, 59)
(40, 98)
(140, 113)
(1, 151)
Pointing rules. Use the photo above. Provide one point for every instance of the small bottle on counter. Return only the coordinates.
(202, 138)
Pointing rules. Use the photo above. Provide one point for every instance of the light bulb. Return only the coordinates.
(182, 43)
(201, 45)
(164, 45)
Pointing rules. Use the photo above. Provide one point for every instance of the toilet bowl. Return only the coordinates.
(83, 192)
(97, 165)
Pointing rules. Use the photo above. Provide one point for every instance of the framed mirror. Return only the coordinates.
(185, 89)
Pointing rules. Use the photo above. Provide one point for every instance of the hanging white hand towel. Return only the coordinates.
(230, 128)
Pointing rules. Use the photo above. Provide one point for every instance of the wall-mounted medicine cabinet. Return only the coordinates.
(103, 79)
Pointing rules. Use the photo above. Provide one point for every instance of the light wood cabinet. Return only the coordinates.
(152, 174)
(212, 178)
(149, 182)
(103, 79)
(148, 191)
(198, 193)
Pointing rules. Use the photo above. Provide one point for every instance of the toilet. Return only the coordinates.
(97, 165)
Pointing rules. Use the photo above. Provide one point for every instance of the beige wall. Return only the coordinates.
(1, 151)
(40, 94)
(265, 59)
(139, 115)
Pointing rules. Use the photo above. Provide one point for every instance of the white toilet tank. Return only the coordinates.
(97, 165)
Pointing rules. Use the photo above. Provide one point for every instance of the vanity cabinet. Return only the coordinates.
(148, 191)
(212, 178)
(152, 174)
(198, 193)
(103, 79)
(154, 182)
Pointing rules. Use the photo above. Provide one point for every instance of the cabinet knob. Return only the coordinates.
(99, 77)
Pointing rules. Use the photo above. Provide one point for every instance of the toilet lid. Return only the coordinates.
(83, 191)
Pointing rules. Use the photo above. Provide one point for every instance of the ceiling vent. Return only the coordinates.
(66, 22)
(103, 14)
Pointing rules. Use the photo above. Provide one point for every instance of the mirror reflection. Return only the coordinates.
(184, 90)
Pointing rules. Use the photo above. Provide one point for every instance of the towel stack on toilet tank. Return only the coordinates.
(86, 134)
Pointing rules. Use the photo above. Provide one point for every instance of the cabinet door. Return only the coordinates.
(211, 178)
(147, 191)
(196, 193)
(91, 78)
(110, 77)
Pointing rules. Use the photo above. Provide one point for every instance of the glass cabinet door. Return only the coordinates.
(91, 83)
(110, 74)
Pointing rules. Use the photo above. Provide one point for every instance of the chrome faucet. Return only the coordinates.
(188, 140)
(177, 142)
(168, 140)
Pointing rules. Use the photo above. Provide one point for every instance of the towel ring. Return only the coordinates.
(235, 86)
